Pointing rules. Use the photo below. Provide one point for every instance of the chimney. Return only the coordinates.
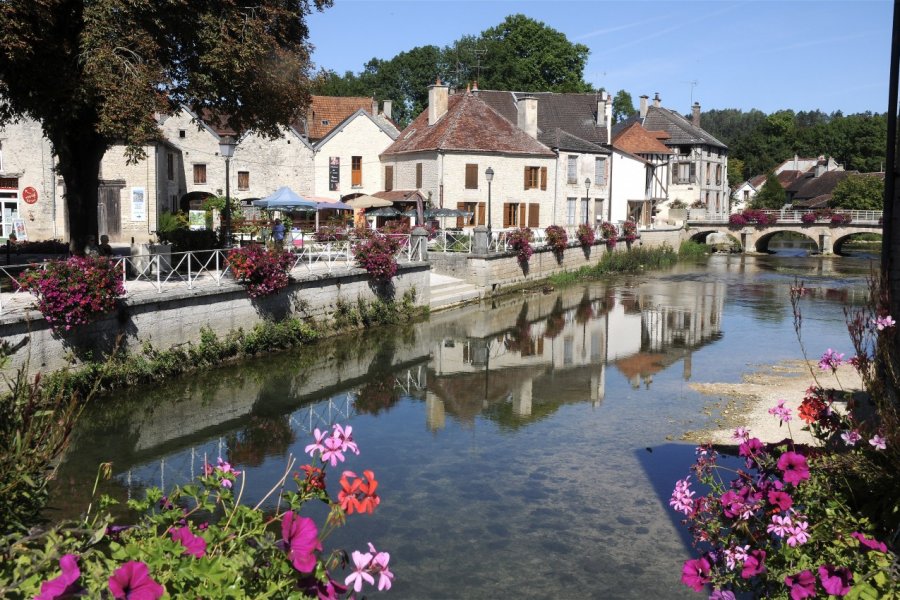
(604, 115)
(438, 97)
(821, 166)
(374, 107)
(656, 100)
(695, 114)
(386, 111)
(644, 105)
(527, 107)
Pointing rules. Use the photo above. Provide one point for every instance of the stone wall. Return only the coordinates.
(177, 316)
(673, 236)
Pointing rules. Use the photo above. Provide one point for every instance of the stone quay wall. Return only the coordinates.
(178, 315)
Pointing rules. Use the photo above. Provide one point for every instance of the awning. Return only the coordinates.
(285, 199)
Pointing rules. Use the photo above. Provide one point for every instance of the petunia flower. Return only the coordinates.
(802, 585)
(722, 595)
(695, 573)
(132, 581)
(63, 585)
(794, 467)
(754, 564)
(194, 545)
(835, 580)
(780, 499)
(871, 544)
(360, 574)
(300, 537)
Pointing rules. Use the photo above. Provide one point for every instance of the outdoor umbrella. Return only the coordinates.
(285, 200)
(366, 201)
(444, 212)
(385, 211)
(333, 206)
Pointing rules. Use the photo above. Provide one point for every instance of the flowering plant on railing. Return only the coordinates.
(330, 233)
(585, 235)
(378, 256)
(759, 217)
(557, 239)
(737, 220)
(200, 541)
(841, 219)
(75, 291)
(629, 230)
(609, 232)
(262, 271)
(520, 241)
(808, 218)
(395, 227)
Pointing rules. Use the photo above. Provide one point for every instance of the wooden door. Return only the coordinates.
(109, 212)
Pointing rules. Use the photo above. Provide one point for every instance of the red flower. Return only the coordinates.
(315, 477)
(358, 494)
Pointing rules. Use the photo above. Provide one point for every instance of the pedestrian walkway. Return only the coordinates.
(449, 291)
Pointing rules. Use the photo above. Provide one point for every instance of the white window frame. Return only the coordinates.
(600, 170)
(572, 169)
(570, 211)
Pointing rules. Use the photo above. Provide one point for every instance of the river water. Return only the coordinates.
(524, 448)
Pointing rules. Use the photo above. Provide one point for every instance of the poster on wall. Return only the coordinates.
(334, 173)
(138, 204)
(19, 228)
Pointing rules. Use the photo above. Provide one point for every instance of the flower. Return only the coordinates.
(63, 585)
(780, 499)
(794, 467)
(741, 434)
(379, 566)
(802, 585)
(300, 538)
(315, 477)
(695, 573)
(798, 535)
(358, 494)
(754, 564)
(324, 590)
(878, 442)
(345, 434)
(835, 580)
(831, 360)
(333, 451)
(193, 544)
(850, 437)
(722, 595)
(133, 582)
(681, 496)
(871, 544)
(360, 574)
(780, 526)
(318, 446)
(783, 414)
(882, 323)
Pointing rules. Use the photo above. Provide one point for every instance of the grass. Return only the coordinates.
(635, 260)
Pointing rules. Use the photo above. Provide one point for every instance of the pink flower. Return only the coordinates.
(780, 411)
(379, 566)
(882, 323)
(333, 451)
(780, 499)
(794, 467)
(360, 574)
(798, 535)
(301, 539)
(695, 573)
(754, 564)
(851, 437)
(871, 544)
(63, 585)
(345, 434)
(780, 526)
(878, 442)
(835, 580)
(802, 585)
(318, 446)
(741, 434)
(681, 497)
(132, 581)
(831, 360)
(751, 448)
(193, 544)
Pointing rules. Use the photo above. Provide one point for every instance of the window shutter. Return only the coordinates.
(460, 221)
(521, 222)
(471, 177)
(481, 208)
(534, 211)
(418, 175)
(527, 179)
(388, 178)
(693, 175)
(543, 178)
(507, 210)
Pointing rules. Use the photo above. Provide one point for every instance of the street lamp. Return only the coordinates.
(226, 149)
(587, 199)
(489, 175)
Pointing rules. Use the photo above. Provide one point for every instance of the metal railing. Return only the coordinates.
(859, 217)
(450, 241)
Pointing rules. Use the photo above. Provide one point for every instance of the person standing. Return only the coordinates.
(278, 234)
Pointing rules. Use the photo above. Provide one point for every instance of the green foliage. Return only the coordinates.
(635, 260)
(771, 196)
(184, 240)
(690, 250)
(622, 106)
(859, 192)
(169, 222)
(349, 315)
(736, 174)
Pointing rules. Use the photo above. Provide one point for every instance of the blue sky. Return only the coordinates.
(826, 55)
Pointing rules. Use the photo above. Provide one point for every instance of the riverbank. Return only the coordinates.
(746, 404)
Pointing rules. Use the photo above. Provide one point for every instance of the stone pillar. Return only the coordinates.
(419, 244)
(480, 243)
(825, 243)
(744, 239)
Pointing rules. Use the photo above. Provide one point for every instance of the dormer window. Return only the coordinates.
(325, 122)
(182, 133)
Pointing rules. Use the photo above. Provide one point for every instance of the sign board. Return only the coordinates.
(30, 195)
(138, 204)
(334, 173)
(19, 228)
(197, 219)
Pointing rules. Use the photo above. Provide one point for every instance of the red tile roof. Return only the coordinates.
(469, 125)
(326, 112)
(637, 140)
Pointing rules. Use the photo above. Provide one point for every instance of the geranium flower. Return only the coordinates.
(835, 580)
(345, 434)
(722, 595)
(798, 533)
(695, 573)
(750, 448)
(831, 360)
(850, 437)
(871, 544)
(315, 477)
(878, 442)
(783, 413)
(379, 566)
(358, 494)
(300, 537)
(193, 544)
(794, 467)
(754, 564)
(63, 585)
(333, 450)
(318, 445)
(681, 496)
(132, 581)
(802, 585)
(780, 526)
(360, 574)
(882, 323)
(741, 434)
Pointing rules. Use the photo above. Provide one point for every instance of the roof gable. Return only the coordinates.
(385, 126)
(327, 112)
(680, 130)
(637, 140)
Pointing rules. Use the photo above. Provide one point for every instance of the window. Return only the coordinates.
(708, 172)
(600, 171)
(200, 174)
(585, 207)
(684, 172)
(356, 171)
(466, 207)
(182, 133)
(471, 177)
(243, 180)
(170, 166)
(572, 172)
(598, 209)
(324, 121)
(513, 214)
(746, 195)
(418, 175)
(718, 174)
(534, 177)
(570, 211)
(534, 215)
(388, 178)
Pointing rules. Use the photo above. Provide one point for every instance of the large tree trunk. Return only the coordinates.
(80, 150)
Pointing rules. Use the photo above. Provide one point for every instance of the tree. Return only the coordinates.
(622, 106)
(95, 72)
(771, 196)
(735, 173)
(859, 192)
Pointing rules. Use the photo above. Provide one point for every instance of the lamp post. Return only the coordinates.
(226, 149)
(489, 175)
(587, 199)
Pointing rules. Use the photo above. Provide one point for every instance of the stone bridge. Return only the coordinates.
(827, 236)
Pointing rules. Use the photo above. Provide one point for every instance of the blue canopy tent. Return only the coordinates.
(285, 199)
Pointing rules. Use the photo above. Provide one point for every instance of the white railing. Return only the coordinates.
(450, 241)
(858, 217)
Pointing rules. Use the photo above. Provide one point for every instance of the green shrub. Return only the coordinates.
(690, 249)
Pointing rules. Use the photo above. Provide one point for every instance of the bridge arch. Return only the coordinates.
(702, 236)
(762, 241)
(837, 246)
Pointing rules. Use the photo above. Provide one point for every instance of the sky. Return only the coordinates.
(769, 55)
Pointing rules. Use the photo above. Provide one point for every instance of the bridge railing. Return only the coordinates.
(867, 217)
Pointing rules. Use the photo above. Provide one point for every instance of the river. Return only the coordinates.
(525, 448)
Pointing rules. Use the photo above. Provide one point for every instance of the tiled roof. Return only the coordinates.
(680, 129)
(567, 142)
(218, 122)
(469, 125)
(820, 201)
(809, 186)
(575, 114)
(400, 195)
(637, 140)
(326, 112)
